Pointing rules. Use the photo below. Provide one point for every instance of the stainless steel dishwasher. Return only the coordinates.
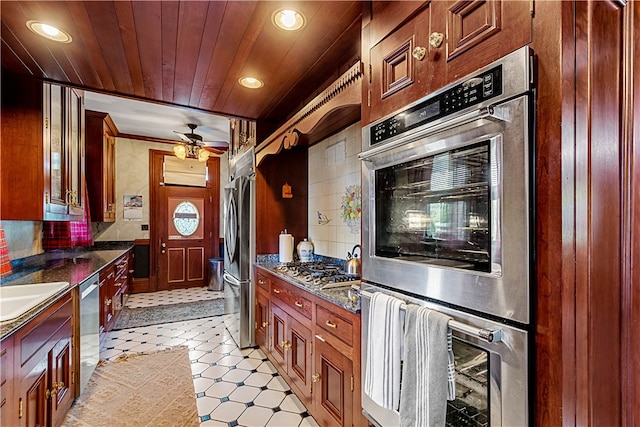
(89, 328)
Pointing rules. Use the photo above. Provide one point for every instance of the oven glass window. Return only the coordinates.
(436, 209)
(472, 372)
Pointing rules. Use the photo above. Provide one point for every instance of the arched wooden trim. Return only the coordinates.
(343, 94)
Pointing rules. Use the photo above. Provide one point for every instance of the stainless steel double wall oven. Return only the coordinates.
(447, 223)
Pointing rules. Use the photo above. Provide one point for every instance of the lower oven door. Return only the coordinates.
(491, 377)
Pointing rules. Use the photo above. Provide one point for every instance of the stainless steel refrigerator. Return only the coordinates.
(240, 250)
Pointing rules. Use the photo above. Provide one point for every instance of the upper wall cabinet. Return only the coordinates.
(42, 151)
(100, 141)
(414, 49)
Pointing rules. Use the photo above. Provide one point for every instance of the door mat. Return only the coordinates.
(153, 389)
(146, 316)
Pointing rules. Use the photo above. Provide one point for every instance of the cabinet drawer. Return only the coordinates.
(33, 340)
(293, 300)
(334, 324)
(263, 282)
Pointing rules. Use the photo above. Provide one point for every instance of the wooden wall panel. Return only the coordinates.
(274, 213)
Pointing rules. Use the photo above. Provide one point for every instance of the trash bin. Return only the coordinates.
(216, 270)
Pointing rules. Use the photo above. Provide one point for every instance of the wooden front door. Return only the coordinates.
(184, 233)
(183, 247)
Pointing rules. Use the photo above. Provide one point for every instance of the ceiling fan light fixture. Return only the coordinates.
(180, 151)
(49, 31)
(288, 19)
(250, 82)
(203, 155)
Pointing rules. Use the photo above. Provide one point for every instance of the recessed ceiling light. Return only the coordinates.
(251, 82)
(288, 19)
(49, 31)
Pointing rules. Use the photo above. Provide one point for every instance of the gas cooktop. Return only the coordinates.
(317, 273)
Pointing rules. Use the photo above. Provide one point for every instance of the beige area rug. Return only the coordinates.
(153, 389)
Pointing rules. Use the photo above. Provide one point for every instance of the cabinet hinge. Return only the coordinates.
(20, 408)
(210, 199)
(73, 377)
(370, 72)
(46, 122)
(369, 98)
(351, 382)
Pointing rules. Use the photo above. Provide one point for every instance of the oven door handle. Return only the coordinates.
(491, 336)
(501, 112)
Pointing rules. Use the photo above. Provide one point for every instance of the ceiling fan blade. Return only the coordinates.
(215, 150)
(223, 145)
(182, 136)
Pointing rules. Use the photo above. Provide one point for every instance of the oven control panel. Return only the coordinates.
(471, 92)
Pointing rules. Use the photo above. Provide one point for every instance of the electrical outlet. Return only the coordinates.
(145, 227)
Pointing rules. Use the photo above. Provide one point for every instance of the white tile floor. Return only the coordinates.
(233, 387)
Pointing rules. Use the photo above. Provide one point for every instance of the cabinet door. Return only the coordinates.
(8, 406)
(32, 400)
(60, 366)
(278, 333)
(110, 178)
(262, 320)
(55, 154)
(299, 356)
(75, 158)
(476, 34)
(333, 386)
(400, 66)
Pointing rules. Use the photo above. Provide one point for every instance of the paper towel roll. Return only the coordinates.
(285, 247)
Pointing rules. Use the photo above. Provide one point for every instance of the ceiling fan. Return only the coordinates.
(193, 138)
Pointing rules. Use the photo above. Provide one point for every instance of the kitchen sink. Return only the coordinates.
(18, 299)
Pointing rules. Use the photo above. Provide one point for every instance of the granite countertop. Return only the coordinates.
(73, 266)
(338, 296)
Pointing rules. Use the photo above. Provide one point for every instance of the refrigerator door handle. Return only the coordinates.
(229, 278)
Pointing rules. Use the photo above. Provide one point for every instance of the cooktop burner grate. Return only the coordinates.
(316, 273)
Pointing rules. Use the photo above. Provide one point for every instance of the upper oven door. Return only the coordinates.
(446, 212)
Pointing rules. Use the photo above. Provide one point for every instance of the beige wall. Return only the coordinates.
(132, 178)
(333, 166)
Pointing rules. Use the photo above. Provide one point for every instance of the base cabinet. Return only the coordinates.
(333, 386)
(314, 344)
(291, 349)
(45, 377)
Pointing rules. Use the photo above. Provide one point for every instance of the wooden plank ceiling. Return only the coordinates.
(186, 53)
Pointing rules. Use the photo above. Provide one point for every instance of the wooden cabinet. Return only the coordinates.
(262, 333)
(316, 347)
(100, 140)
(115, 280)
(291, 339)
(63, 136)
(333, 377)
(333, 386)
(414, 49)
(8, 405)
(106, 280)
(43, 357)
(397, 76)
(42, 151)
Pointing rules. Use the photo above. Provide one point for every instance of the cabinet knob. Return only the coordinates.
(276, 290)
(419, 53)
(436, 39)
(286, 345)
(265, 324)
(315, 378)
(299, 304)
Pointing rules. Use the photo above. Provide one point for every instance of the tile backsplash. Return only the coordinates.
(334, 174)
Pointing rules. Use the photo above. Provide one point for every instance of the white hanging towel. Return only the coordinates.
(382, 374)
(428, 376)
